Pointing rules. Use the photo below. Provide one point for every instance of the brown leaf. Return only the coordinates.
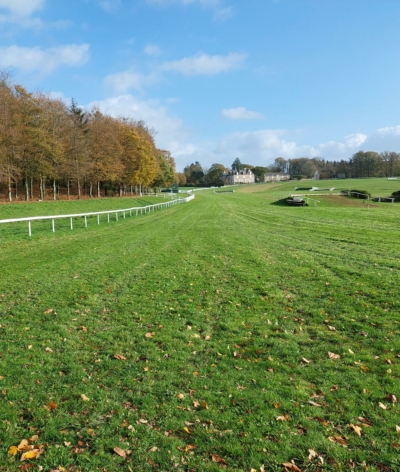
(153, 449)
(392, 398)
(355, 428)
(305, 360)
(282, 418)
(47, 312)
(218, 459)
(121, 452)
(363, 368)
(180, 396)
(149, 335)
(195, 374)
(34, 438)
(312, 454)
(332, 355)
(364, 421)
(84, 397)
(381, 405)
(398, 429)
(338, 439)
(120, 357)
(291, 466)
(314, 403)
(52, 406)
(23, 445)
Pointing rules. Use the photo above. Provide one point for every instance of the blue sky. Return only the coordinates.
(220, 79)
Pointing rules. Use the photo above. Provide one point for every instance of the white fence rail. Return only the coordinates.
(117, 213)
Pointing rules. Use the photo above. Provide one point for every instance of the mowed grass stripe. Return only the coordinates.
(238, 293)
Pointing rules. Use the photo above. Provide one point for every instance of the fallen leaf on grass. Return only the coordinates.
(282, 418)
(291, 466)
(392, 398)
(153, 449)
(314, 403)
(49, 349)
(195, 374)
(364, 421)
(48, 311)
(84, 397)
(332, 355)
(149, 335)
(381, 405)
(180, 396)
(34, 438)
(52, 406)
(23, 445)
(13, 450)
(305, 360)
(398, 429)
(218, 459)
(312, 454)
(120, 357)
(331, 328)
(338, 439)
(363, 368)
(34, 454)
(355, 428)
(121, 452)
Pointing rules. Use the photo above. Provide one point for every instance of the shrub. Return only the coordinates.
(363, 194)
(396, 196)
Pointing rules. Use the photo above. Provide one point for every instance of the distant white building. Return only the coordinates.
(235, 176)
(316, 175)
(275, 176)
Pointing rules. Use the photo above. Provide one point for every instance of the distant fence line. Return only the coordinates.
(124, 212)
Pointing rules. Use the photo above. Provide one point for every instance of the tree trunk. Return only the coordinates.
(26, 189)
(9, 188)
(98, 189)
(54, 190)
(16, 190)
(31, 188)
(68, 188)
(91, 189)
(79, 189)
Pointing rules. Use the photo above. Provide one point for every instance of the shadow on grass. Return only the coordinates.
(281, 202)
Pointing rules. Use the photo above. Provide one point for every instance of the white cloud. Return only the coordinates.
(389, 131)
(152, 50)
(206, 3)
(110, 5)
(355, 140)
(241, 114)
(223, 14)
(121, 82)
(43, 60)
(22, 7)
(203, 64)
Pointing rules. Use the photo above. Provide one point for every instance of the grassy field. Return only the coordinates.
(231, 333)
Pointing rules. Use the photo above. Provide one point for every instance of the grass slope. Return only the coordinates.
(223, 312)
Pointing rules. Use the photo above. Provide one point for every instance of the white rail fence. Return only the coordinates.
(117, 213)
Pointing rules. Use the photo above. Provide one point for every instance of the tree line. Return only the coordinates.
(360, 165)
(47, 147)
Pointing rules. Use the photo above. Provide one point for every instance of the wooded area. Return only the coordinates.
(50, 150)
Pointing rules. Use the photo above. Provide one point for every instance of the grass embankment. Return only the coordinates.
(226, 332)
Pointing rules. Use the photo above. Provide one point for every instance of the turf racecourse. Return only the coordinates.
(228, 333)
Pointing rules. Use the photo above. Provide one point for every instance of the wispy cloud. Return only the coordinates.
(223, 14)
(152, 50)
(123, 81)
(203, 64)
(41, 60)
(110, 5)
(241, 113)
(21, 7)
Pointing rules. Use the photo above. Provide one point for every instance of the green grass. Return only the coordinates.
(236, 295)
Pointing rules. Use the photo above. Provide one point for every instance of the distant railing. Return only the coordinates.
(124, 212)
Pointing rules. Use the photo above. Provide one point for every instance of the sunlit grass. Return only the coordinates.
(225, 309)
